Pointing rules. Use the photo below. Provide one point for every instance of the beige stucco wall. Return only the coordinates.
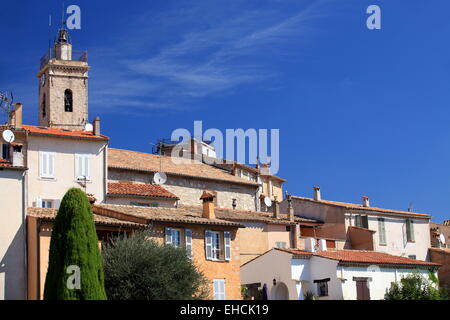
(278, 233)
(396, 243)
(190, 189)
(65, 149)
(12, 236)
(257, 238)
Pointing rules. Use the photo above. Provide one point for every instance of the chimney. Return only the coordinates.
(365, 201)
(276, 209)
(97, 126)
(446, 222)
(290, 212)
(317, 195)
(208, 205)
(16, 119)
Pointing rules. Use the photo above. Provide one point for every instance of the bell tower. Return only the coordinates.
(63, 85)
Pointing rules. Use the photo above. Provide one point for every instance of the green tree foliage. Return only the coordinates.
(74, 242)
(417, 287)
(138, 268)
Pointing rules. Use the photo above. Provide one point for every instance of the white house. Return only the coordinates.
(329, 274)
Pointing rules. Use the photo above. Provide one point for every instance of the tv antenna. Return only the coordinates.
(159, 177)
(6, 103)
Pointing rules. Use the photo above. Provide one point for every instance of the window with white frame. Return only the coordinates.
(47, 204)
(213, 245)
(46, 164)
(381, 231)
(174, 236)
(409, 230)
(219, 289)
(82, 166)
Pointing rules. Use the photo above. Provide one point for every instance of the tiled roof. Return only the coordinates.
(139, 189)
(148, 214)
(371, 257)
(5, 163)
(125, 159)
(9, 165)
(256, 216)
(50, 214)
(63, 133)
(354, 206)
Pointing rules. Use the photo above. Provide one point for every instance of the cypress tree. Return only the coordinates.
(74, 244)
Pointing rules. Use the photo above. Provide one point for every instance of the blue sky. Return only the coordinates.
(360, 112)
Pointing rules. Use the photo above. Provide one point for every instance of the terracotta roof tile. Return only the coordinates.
(50, 214)
(371, 257)
(191, 215)
(63, 133)
(354, 206)
(125, 159)
(139, 189)
(257, 216)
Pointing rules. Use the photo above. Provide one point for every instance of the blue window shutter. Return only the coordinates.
(227, 245)
(188, 233)
(168, 235)
(208, 244)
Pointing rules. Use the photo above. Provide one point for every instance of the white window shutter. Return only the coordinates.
(222, 291)
(77, 166)
(188, 233)
(38, 203)
(87, 169)
(227, 242)
(216, 289)
(168, 235)
(208, 244)
(51, 164)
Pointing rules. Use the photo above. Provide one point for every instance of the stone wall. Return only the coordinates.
(189, 189)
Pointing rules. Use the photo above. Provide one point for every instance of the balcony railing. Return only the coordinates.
(77, 55)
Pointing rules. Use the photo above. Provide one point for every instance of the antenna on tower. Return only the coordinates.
(6, 103)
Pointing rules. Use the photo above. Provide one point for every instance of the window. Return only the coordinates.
(44, 108)
(213, 245)
(409, 230)
(47, 164)
(82, 166)
(68, 101)
(381, 231)
(141, 204)
(412, 256)
(173, 237)
(5, 152)
(322, 287)
(361, 221)
(280, 244)
(215, 236)
(47, 203)
(219, 289)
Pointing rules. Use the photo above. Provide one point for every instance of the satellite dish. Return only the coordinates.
(88, 127)
(267, 202)
(442, 238)
(8, 136)
(159, 178)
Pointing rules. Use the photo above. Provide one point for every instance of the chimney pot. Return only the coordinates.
(276, 209)
(208, 205)
(317, 195)
(365, 201)
(97, 126)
